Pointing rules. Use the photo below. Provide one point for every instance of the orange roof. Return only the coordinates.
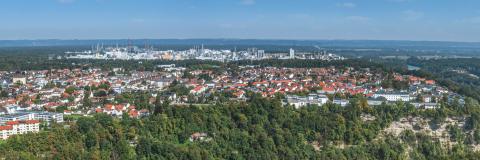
(119, 107)
(413, 78)
(32, 121)
(263, 82)
(12, 123)
(133, 113)
(430, 82)
(198, 88)
(108, 106)
(2, 128)
(240, 85)
(321, 84)
(23, 122)
(328, 89)
(281, 81)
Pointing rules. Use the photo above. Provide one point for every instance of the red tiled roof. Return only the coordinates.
(240, 85)
(2, 128)
(133, 113)
(119, 107)
(331, 89)
(260, 83)
(108, 106)
(430, 82)
(198, 88)
(12, 122)
(32, 121)
(281, 81)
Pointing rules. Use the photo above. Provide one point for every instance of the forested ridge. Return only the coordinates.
(258, 129)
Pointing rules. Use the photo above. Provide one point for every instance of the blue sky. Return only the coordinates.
(438, 20)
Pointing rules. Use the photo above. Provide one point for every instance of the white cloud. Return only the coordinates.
(347, 5)
(411, 15)
(248, 2)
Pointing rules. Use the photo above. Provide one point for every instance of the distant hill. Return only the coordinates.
(320, 43)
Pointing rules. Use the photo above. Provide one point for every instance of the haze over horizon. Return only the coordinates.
(417, 20)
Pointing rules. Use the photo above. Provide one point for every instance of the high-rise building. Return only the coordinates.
(292, 53)
(260, 53)
(252, 51)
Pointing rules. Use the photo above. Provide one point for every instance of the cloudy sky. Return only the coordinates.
(437, 20)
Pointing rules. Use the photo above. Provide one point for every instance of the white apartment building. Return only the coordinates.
(394, 96)
(19, 127)
(16, 117)
(312, 99)
(41, 116)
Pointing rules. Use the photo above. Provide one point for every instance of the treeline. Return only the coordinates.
(453, 73)
(302, 63)
(41, 63)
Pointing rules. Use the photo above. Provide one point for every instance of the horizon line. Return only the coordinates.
(263, 39)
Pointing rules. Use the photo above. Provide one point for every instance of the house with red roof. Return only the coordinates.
(198, 90)
(430, 82)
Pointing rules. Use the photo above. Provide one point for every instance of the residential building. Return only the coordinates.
(19, 127)
(394, 96)
(312, 99)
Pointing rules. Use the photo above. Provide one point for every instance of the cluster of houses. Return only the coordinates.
(47, 90)
(32, 96)
(48, 95)
(119, 109)
(421, 93)
(269, 81)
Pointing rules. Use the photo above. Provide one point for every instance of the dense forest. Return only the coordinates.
(257, 129)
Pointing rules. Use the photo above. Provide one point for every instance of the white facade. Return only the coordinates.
(19, 127)
(292, 53)
(24, 116)
(22, 80)
(16, 117)
(313, 99)
(394, 96)
(49, 117)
